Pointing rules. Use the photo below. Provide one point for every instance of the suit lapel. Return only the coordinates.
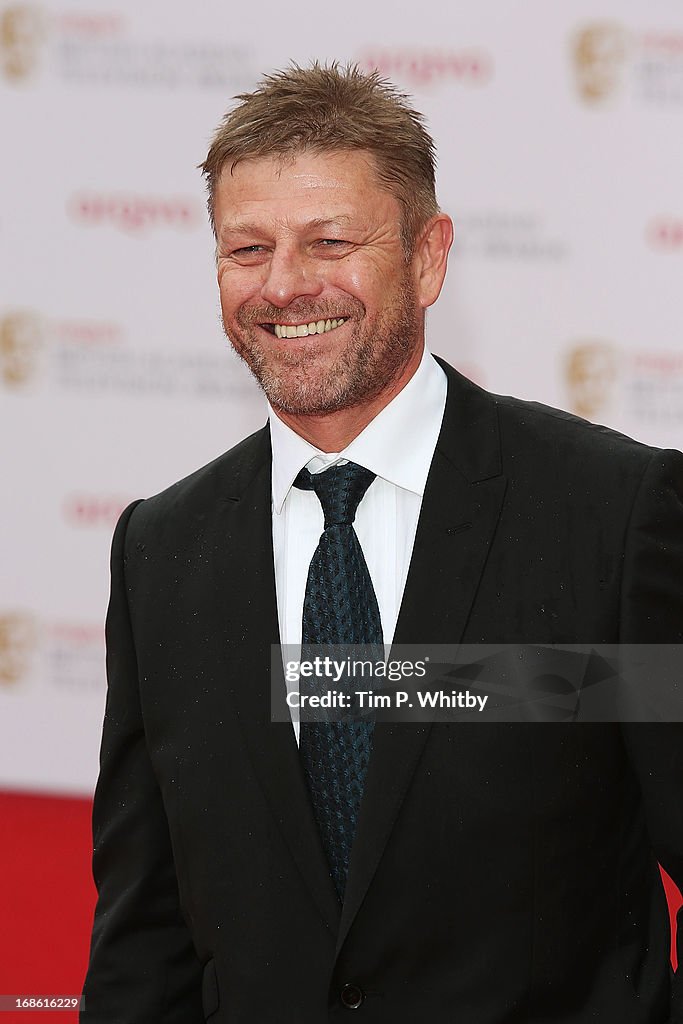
(460, 512)
(252, 603)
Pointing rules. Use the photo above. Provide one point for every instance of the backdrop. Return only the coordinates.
(559, 131)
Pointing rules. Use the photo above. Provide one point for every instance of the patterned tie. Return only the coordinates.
(340, 607)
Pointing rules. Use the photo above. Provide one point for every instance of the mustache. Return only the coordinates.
(301, 312)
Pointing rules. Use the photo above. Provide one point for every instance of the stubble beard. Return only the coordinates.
(299, 383)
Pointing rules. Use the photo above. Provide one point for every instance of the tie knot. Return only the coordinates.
(339, 489)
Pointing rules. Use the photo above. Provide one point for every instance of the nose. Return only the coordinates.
(290, 276)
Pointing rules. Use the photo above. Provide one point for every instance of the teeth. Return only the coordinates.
(303, 330)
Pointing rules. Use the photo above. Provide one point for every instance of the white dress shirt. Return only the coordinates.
(398, 446)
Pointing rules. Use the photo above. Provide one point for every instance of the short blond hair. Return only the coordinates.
(330, 108)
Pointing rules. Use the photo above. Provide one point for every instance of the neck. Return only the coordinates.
(334, 431)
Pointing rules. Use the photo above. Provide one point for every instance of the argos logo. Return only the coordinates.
(134, 214)
(431, 67)
(666, 233)
(93, 509)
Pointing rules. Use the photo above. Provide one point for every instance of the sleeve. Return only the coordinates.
(143, 968)
(652, 613)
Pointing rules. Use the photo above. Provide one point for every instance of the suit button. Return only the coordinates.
(352, 996)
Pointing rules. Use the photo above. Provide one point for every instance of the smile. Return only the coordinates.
(303, 330)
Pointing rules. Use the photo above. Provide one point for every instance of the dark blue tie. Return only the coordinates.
(340, 607)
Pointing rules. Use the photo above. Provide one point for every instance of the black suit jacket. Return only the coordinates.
(501, 873)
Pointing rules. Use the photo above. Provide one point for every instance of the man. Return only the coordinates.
(491, 874)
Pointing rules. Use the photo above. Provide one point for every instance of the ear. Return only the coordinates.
(430, 258)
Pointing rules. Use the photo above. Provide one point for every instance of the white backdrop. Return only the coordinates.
(559, 129)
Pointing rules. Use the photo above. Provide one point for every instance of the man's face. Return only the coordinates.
(303, 244)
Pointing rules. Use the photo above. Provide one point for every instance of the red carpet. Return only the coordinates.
(48, 898)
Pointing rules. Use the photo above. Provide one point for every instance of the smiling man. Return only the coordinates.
(353, 296)
(277, 872)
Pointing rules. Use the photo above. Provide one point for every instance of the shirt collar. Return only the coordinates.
(391, 446)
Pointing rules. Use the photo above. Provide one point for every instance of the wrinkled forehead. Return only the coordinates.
(307, 188)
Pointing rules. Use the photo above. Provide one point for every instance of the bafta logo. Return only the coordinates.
(590, 372)
(20, 340)
(21, 33)
(17, 641)
(599, 51)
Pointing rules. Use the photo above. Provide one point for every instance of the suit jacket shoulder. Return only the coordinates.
(190, 500)
(536, 442)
